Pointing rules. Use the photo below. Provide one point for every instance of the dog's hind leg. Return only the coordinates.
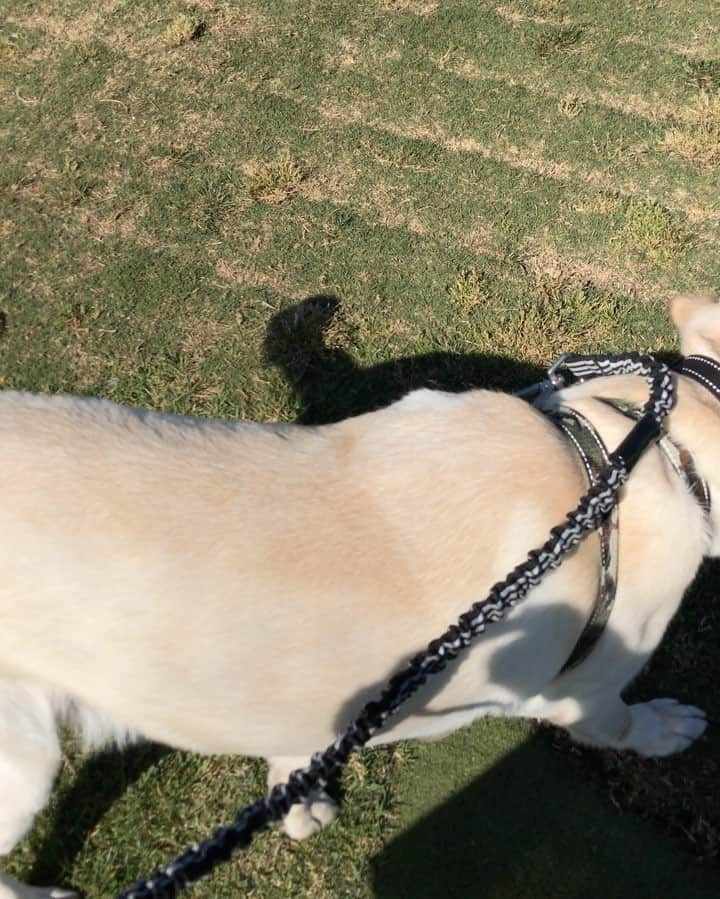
(304, 818)
(29, 759)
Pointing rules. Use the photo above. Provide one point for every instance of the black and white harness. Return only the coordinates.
(594, 455)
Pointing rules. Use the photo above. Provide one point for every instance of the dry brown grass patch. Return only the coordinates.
(699, 139)
(202, 333)
(241, 273)
(122, 223)
(394, 209)
(9, 53)
(565, 314)
(601, 204)
(546, 263)
(182, 30)
(542, 12)
(345, 56)
(227, 20)
(571, 106)
(273, 182)
(334, 184)
(414, 7)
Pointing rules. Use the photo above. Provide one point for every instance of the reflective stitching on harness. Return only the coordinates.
(706, 381)
(692, 367)
(707, 360)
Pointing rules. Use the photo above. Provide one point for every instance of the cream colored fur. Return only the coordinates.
(241, 588)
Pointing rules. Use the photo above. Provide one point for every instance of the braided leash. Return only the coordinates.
(200, 859)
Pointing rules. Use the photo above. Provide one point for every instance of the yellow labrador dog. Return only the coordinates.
(229, 587)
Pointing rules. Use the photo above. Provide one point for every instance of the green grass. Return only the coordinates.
(466, 189)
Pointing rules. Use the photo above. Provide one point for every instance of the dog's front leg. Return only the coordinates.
(662, 726)
(656, 728)
(304, 818)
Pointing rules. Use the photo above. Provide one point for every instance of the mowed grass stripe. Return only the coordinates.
(402, 180)
(585, 64)
(618, 151)
(483, 195)
(614, 160)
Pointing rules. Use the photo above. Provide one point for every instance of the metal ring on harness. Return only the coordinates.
(200, 859)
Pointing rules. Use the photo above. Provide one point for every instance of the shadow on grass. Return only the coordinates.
(102, 779)
(528, 829)
(331, 386)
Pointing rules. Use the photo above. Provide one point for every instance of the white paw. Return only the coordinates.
(663, 726)
(305, 819)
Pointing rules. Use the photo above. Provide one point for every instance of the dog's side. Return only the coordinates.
(241, 588)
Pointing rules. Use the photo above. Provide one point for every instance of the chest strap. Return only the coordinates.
(680, 459)
(592, 451)
(594, 456)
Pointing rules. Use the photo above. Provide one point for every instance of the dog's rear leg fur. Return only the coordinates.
(305, 818)
(29, 759)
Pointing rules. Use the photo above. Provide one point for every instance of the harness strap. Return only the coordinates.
(704, 370)
(678, 456)
(594, 455)
(592, 451)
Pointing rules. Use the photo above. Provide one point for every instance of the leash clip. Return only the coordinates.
(554, 380)
(554, 377)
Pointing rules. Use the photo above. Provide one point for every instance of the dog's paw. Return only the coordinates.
(663, 726)
(306, 818)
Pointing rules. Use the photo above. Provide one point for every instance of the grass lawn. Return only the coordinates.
(453, 192)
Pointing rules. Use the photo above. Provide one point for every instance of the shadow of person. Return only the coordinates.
(331, 386)
(527, 826)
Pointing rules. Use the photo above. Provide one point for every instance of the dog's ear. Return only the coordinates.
(697, 319)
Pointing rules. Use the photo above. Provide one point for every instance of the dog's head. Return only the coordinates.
(697, 319)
